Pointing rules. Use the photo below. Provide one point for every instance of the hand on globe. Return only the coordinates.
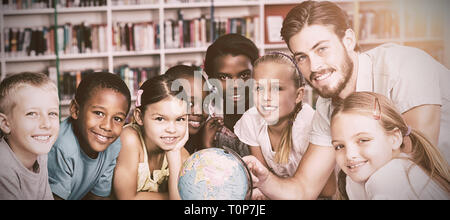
(258, 195)
(258, 171)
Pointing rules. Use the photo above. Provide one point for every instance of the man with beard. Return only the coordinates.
(325, 49)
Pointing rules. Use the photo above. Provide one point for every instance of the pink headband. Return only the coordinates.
(138, 97)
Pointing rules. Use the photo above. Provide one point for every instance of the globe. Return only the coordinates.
(214, 174)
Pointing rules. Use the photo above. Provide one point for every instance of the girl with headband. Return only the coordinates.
(277, 127)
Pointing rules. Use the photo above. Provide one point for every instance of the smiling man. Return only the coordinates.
(325, 49)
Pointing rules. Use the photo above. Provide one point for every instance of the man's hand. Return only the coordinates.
(258, 171)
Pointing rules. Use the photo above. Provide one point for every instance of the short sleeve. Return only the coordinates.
(103, 186)
(60, 173)
(418, 82)
(9, 186)
(408, 76)
(246, 128)
(320, 131)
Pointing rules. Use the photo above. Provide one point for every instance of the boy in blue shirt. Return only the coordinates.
(83, 158)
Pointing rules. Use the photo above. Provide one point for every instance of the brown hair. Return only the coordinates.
(319, 13)
(424, 153)
(282, 154)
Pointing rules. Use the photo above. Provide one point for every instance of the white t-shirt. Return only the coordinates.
(252, 130)
(406, 75)
(398, 179)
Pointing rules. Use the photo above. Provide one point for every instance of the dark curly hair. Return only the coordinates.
(104, 80)
(234, 44)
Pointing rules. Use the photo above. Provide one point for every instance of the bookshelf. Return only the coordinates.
(416, 23)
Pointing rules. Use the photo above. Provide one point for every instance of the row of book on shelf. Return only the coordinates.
(198, 32)
(140, 36)
(71, 39)
(379, 24)
(193, 1)
(132, 76)
(42, 4)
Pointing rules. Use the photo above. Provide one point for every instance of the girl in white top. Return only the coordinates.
(382, 157)
(277, 127)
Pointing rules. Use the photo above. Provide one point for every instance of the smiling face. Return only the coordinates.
(323, 59)
(99, 120)
(196, 116)
(229, 67)
(33, 120)
(362, 146)
(276, 94)
(164, 122)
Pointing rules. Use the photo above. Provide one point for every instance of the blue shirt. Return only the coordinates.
(72, 174)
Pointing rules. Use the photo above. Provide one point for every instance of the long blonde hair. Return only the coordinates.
(423, 153)
(285, 145)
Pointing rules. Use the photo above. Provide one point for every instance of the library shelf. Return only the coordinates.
(28, 11)
(135, 53)
(13, 59)
(159, 12)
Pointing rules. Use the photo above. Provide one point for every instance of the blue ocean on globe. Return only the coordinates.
(213, 174)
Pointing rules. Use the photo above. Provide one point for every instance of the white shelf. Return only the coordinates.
(294, 2)
(30, 58)
(83, 9)
(423, 39)
(208, 4)
(29, 11)
(83, 56)
(275, 46)
(399, 40)
(65, 102)
(186, 50)
(379, 41)
(135, 7)
(135, 53)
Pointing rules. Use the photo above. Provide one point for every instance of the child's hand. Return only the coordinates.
(258, 171)
(210, 130)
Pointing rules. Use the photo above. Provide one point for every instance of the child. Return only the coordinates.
(188, 76)
(370, 138)
(152, 151)
(82, 161)
(29, 122)
(277, 128)
(230, 57)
